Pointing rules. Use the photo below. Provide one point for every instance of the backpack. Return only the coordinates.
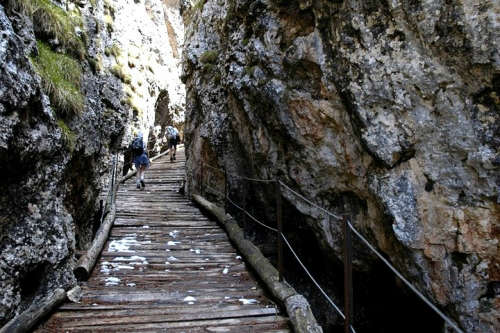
(171, 133)
(137, 146)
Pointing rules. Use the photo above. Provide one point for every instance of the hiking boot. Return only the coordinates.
(138, 186)
(171, 158)
(143, 184)
(174, 157)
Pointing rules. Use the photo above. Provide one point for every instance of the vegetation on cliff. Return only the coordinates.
(61, 75)
(51, 22)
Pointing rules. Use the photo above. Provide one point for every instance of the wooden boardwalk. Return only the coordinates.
(167, 268)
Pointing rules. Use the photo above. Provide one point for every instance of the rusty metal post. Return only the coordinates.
(348, 292)
(279, 220)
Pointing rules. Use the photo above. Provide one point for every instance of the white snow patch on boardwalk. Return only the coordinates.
(247, 301)
(190, 300)
(122, 245)
(124, 267)
(112, 281)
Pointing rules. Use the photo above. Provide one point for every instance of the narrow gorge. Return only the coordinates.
(385, 112)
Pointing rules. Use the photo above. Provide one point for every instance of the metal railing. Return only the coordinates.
(348, 229)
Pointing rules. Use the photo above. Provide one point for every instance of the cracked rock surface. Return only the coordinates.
(388, 111)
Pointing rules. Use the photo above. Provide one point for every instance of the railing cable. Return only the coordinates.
(399, 275)
(356, 232)
(238, 176)
(250, 215)
(312, 278)
(214, 190)
(310, 202)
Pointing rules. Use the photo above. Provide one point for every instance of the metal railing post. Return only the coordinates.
(279, 220)
(348, 292)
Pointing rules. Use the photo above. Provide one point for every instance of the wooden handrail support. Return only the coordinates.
(25, 321)
(297, 307)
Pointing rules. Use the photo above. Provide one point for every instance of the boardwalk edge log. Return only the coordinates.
(296, 305)
(29, 318)
(87, 261)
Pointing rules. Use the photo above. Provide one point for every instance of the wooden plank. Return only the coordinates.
(269, 321)
(132, 317)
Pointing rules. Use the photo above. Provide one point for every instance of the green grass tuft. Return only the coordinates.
(137, 111)
(68, 135)
(51, 21)
(113, 50)
(208, 57)
(96, 64)
(118, 71)
(199, 5)
(61, 77)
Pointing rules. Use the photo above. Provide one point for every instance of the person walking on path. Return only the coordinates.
(141, 159)
(173, 138)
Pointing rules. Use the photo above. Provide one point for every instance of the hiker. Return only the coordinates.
(173, 138)
(141, 159)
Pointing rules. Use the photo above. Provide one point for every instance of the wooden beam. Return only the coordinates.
(87, 261)
(27, 319)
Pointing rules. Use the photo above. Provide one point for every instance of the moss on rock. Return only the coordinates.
(208, 57)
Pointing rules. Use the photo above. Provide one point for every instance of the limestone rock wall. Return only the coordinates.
(386, 110)
(75, 83)
(148, 36)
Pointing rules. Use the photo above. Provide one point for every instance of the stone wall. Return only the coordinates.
(385, 110)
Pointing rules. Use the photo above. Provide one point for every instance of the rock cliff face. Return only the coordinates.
(76, 79)
(385, 110)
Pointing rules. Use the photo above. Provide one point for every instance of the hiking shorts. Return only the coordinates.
(172, 143)
(141, 160)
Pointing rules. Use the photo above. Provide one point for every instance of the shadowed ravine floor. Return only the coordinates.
(167, 267)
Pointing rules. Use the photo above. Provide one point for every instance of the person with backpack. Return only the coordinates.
(140, 158)
(173, 138)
